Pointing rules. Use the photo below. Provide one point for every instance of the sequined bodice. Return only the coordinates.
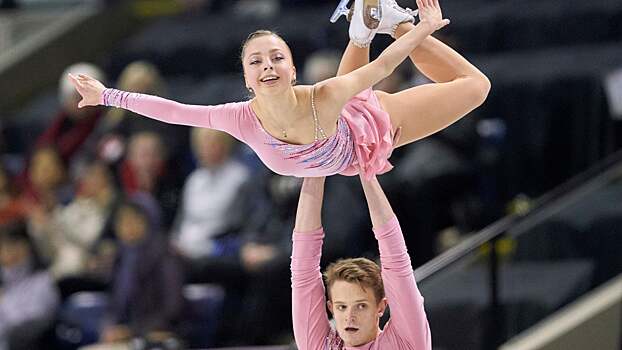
(331, 155)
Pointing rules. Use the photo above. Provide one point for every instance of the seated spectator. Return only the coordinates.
(28, 295)
(72, 125)
(207, 213)
(264, 260)
(147, 288)
(74, 232)
(145, 169)
(46, 189)
(119, 124)
(256, 278)
(250, 263)
(266, 249)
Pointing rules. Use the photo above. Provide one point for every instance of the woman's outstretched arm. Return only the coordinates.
(221, 117)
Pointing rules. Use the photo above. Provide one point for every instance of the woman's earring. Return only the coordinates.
(250, 89)
(294, 81)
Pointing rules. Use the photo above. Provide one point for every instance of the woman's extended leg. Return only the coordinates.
(423, 110)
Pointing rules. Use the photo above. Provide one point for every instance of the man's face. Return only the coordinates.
(356, 312)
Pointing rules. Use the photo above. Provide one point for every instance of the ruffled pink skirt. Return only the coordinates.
(372, 134)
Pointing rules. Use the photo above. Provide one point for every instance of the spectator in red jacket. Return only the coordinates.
(72, 125)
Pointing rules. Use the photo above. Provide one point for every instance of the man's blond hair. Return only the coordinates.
(361, 271)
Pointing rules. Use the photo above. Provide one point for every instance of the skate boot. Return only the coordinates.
(393, 15)
(364, 17)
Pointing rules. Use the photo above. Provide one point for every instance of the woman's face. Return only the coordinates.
(268, 65)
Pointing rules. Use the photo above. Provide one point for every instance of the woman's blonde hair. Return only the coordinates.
(257, 34)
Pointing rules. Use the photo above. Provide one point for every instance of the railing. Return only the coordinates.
(492, 258)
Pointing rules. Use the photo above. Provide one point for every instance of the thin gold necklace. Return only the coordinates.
(275, 124)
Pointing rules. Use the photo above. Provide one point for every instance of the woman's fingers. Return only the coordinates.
(77, 83)
(73, 80)
(81, 86)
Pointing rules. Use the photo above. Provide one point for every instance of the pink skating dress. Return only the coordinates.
(362, 143)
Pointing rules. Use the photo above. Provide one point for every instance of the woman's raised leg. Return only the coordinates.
(365, 17)
(458, 88)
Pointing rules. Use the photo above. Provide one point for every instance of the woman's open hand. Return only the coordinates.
(430, 14)
(89, 88)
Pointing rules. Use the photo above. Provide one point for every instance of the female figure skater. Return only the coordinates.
(356, 287)
(338, 125)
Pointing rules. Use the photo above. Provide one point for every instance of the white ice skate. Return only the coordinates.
(364, 19)
(393, 15)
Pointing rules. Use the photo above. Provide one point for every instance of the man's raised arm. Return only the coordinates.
(308, 302)
(408, 319)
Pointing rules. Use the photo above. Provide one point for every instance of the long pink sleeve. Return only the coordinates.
(308, 301)
(224, 117)
(408, 322)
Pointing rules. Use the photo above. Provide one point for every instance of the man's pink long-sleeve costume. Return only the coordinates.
(408, 326)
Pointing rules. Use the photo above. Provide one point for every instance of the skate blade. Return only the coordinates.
(341, 9)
